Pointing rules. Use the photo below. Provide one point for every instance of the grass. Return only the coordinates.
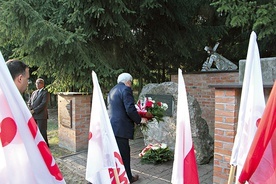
(52, 133)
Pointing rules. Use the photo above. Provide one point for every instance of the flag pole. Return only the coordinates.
(116, 176)
(231, 174)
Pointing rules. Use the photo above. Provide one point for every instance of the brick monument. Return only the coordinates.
(73, 120)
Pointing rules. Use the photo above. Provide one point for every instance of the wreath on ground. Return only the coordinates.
(156, 154)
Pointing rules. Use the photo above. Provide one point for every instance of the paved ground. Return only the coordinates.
(149, 173)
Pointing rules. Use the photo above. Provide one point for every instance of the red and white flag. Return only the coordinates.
(252, 105)
(184, 165)
(260, 164)
(24, 155)
(104, 162)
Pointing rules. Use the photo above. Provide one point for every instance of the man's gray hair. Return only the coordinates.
(124, 77)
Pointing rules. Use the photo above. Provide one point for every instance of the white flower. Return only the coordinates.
(163, 146)
(155, 147)
(164, 106)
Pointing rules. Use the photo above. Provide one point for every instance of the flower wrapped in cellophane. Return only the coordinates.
(150, 109)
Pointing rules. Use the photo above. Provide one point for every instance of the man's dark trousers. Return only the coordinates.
(123, 145)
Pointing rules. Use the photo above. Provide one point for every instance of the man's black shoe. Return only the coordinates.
(134, 178)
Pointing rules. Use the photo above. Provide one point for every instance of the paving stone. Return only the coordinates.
(148, 173)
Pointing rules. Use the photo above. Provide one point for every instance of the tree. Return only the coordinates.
(53, 35)
(67, 39)
(174, 33)
(244, 16)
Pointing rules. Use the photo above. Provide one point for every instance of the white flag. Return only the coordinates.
(24, 155)
(259, 166)
(103, 157)
(184, 165)
(252, 105)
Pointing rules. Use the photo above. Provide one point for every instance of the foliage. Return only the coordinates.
(175, 35)
(243, 17)
(156, 154)
(157, 110)
(55, 39)
(67, 39)
(250, 14)
(151, 109)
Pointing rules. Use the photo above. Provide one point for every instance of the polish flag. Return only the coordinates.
(184, 165)
(104, 162)
(24, 155)
(260, 164)
(252, 105)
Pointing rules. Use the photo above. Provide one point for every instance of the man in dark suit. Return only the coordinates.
(38, 104)
(123, 115)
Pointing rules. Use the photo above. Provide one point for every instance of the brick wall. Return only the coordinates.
(74, 120)
(219, 97)
(226, 118)
(198, 85)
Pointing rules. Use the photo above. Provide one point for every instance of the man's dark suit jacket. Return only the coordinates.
(39, 102)
(122, 111)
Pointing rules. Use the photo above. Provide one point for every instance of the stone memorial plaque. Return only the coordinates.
(65, 113)
(168, 99)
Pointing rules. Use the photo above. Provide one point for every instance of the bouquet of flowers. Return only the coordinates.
(156, 154)
(151, 109)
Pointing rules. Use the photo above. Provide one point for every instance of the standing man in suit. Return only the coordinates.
(38, 104)
(123, 115)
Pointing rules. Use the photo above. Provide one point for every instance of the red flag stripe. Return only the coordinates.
(184, 165)
(190, 175)
(264, 136)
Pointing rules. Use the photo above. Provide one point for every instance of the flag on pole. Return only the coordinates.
(24, 155)
(104, 162)
(260, 164)
(184, 165)
(252, 105)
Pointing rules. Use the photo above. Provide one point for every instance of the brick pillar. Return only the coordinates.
(74, 120)
(226, 117)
